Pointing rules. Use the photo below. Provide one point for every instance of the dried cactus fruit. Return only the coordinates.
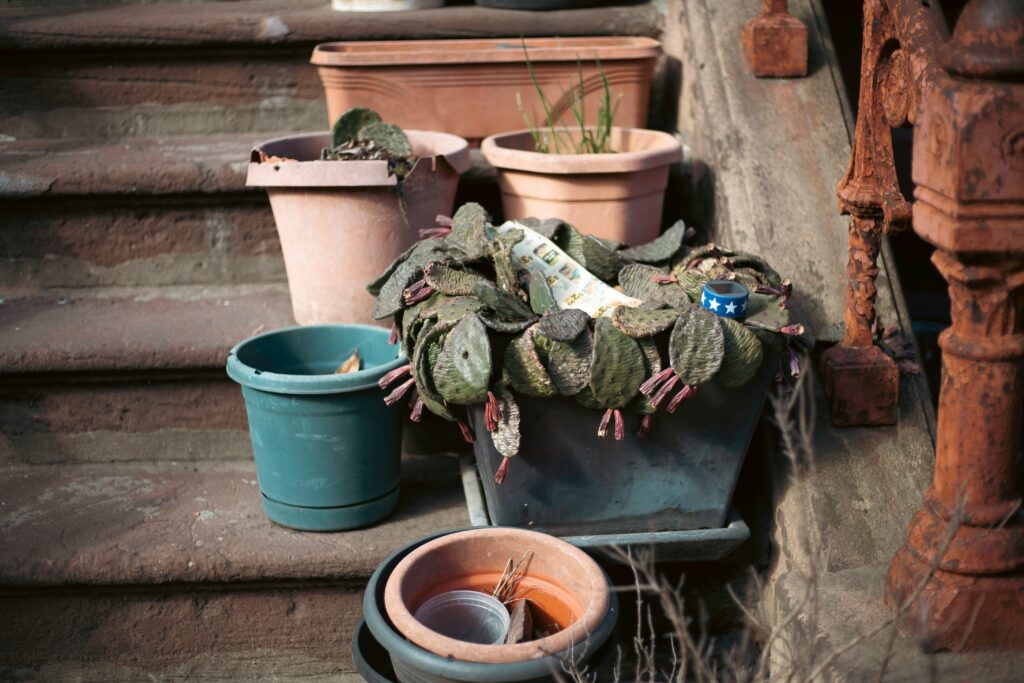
(617, 366)
(463, 368)
(569, 363)
(643, 322)
(452, 281)
(743, 354)
(388, 137)
(601, 259)
(563, 325)
(506, 436)
(348, 125)
(639, 281)
(524, 371)
(697, 345)
(542, 299)
(390, 301)
(663, 249)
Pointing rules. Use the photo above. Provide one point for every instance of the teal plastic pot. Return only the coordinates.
(327, 449)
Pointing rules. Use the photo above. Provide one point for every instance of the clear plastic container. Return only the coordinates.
(469, 616)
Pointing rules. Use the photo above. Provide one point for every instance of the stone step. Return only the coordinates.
(171, 570)
(220, 67)
(126, 373)
(139, 211)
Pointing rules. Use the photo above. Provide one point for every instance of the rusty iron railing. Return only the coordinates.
(958, 580)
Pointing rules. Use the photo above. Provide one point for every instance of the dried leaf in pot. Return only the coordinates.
(638, 281)
(452, 281)
(390, 301)
(463, 369)
(388, 137)
(601, 259)
(524, 371)
(643, 322)
(469, 230)
(743, 354)
(563, 325)
(697, 345)
(663, 249)
(348, 125)
(542, 299)
(427, 351)
(506, 436)
(569, 363)
(506, 306)
(618, 366)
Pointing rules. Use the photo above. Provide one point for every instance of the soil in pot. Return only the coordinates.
(617, 196)
(342, 222)
(327, 448)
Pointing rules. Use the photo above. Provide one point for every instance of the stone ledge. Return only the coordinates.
(134, 329)
(150, 524)
(265, 24)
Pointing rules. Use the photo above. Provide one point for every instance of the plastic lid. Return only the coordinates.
(469, 616)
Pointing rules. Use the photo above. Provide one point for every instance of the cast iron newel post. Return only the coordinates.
(969, 170)
(897, 64)
(775, 42)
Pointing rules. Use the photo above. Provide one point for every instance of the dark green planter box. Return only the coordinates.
(327, 449)
(568, 481)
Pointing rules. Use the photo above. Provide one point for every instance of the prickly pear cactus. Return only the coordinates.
(480, 327)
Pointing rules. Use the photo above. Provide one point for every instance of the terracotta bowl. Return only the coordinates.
(565, 586)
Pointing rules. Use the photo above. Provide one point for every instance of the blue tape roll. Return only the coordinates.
(725, 298)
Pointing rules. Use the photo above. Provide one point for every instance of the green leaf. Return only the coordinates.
(506, 436)
(390, 301)
(601, 260)
(428, 349)
(452, 281)
(563, 325)
(463, 368)
(542, 299)
(348, 125)
(570, 240)
(569, 363)
(469, 230)
(652, 366)
(451, 309)
(504, 269)
(743, 354)
(742, 259)
(692, 283)
(507, 307)
(643, 322)
(388, 137)
(763, 312)
(697, 345)
(617, 368)
(638, 281)
(524, 371)
(664, 248)
(498, 324)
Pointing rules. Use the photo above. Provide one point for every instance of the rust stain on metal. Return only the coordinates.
(970, 205)
(775, 42)
(899, 36)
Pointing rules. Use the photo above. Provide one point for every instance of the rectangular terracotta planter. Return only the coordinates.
(468, 87)
(569, 482)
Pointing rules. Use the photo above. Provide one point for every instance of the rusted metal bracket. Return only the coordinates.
(775, 42)
(962, 587)
(897, 64)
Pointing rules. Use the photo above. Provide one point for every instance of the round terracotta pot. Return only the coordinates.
(565, 586)
(341, 223)
(615, 196)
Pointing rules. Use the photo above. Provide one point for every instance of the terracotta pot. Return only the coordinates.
(469, 87)
(341, 223)
(383, 5)
(613, 196)
(565, 586)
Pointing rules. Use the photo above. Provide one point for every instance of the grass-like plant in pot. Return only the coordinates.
(607, 181)
(554, 351)
(349, 201)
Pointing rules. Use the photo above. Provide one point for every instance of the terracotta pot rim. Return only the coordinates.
(443, 148)
(595, 611)
(482, 51)
(666, 150)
